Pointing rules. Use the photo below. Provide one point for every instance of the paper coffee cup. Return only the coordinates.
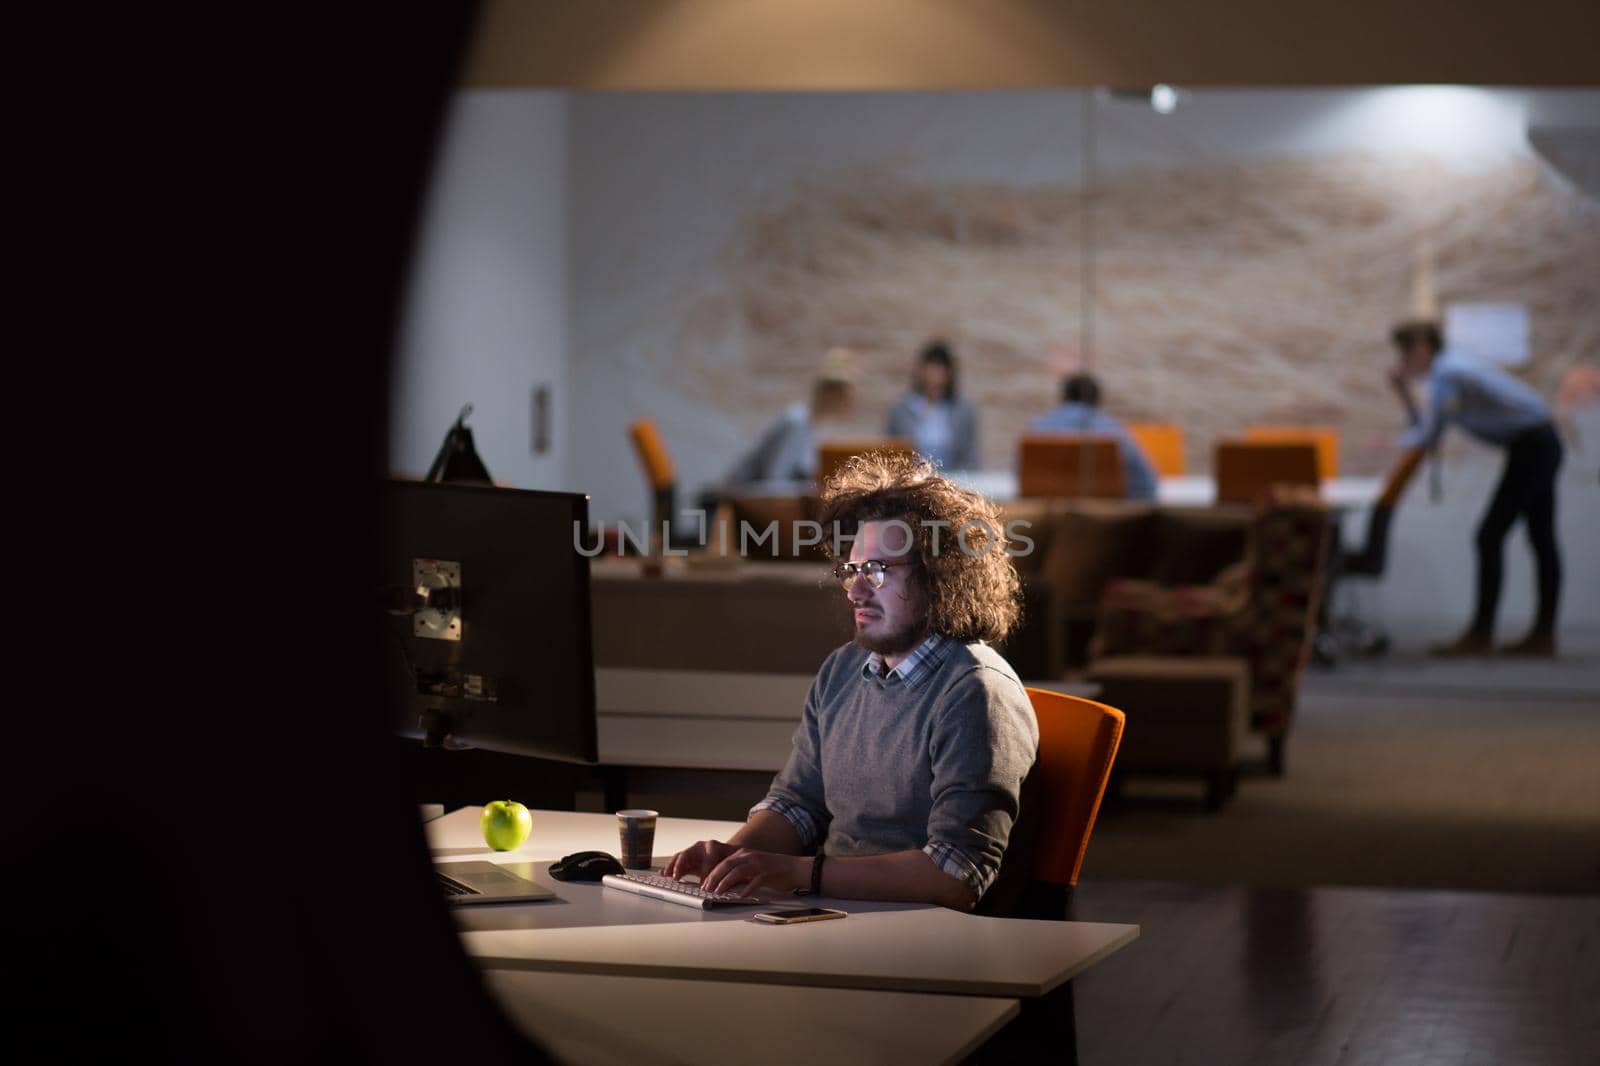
(638, 831)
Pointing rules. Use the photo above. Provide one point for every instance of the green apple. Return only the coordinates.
(505, 824)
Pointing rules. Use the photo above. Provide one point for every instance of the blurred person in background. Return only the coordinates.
(1080, 413)
(940, 424)
(1502, 411)
(786, 451)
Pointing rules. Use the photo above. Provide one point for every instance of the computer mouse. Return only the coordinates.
(585, 866)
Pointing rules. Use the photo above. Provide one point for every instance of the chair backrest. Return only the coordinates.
(1246, 469)
(652, 454)
(1369, 560)
(1399, 477)
(1162, 443)
(1078, 741)
(1324, 438)
(831, 455)
(773, 525)
(1080, 465)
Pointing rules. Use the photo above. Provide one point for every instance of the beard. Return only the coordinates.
(896, 641)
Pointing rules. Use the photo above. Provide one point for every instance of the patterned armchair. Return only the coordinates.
(1261, 609)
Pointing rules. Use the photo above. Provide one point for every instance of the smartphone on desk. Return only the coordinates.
(807, 914)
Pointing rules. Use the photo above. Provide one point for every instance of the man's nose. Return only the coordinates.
(860, 589)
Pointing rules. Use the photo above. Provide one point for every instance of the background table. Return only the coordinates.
(1187, 490)
(698, 719)
(713, 719)
(1190, 490)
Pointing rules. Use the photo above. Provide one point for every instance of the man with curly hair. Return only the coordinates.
(908, 765)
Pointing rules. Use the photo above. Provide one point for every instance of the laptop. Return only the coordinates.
(466, 883)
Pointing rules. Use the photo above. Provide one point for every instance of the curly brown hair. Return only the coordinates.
(972, 586)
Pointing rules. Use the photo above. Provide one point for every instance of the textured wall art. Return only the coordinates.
(1225, 294)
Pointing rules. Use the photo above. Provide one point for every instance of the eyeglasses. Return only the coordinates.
(875, 571)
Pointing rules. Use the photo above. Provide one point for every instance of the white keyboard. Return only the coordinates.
(657, 887)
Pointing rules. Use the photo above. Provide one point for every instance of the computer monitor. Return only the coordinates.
(489, 642)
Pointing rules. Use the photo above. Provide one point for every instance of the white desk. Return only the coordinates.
(557, 833)
(881, 946)
(922, 949)
(640, 1021)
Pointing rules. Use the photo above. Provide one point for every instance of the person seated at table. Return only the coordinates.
(1080, 413)
(907, 768)
(787, 448)
(1502, 411)
(941, 424)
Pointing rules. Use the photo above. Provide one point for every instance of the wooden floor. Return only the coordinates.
(1421, 774)
(1347, 976)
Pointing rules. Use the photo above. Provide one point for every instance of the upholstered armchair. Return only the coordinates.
(1261, 609)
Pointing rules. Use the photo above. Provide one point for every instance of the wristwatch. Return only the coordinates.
(816, 877)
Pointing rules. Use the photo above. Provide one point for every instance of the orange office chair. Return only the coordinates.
(831, 455)
(1247, 469)
(1082, 465)
(1343, 634)
(1323, 438)
(1078, 741)
(1162, 444)
(1369, 559)
(658, 472)
(652, 454)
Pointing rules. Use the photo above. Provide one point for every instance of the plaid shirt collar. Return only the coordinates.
(918, 663)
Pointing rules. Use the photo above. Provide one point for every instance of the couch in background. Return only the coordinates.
(1261, 610)
(1192, 715)
(1081, 546)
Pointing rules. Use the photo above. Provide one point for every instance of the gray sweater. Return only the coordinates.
(936, 763)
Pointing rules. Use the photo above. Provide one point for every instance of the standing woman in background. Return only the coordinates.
(937, 421)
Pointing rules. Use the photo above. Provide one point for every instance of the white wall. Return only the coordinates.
(1427, 590)
(486, 316)
(663, 183)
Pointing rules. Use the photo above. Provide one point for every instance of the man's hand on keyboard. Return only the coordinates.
(697, 860)
(746, 871)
